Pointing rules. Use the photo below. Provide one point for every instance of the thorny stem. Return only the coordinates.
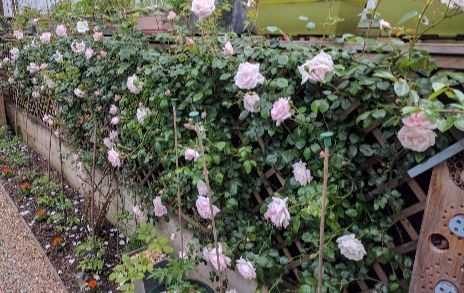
(321, 227)
(205, 174)
(179, 203)
(416, 37)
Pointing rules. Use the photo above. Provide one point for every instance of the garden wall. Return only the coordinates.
(37, 137)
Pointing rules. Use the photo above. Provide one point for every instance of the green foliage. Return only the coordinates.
(91, 255)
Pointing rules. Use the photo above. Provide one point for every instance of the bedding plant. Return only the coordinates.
(261, 104)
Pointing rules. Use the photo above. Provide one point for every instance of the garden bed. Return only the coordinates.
(26, 167)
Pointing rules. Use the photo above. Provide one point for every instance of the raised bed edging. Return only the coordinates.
(38, 139)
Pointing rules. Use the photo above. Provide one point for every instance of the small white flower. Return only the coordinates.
(82, 26)
(350, 247)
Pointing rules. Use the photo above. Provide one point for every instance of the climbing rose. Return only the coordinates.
(202, 8)
(103, 54)
(78, 47)
(113, 109)
(113, 134)
(204, 209)
(89, 53)
(45, 38)
(246, 269)
(18, 34)
(48, 119)
(160, 209)
(32, 67)
(61, 31)
(14, 52)
(418, 120)
(82, 26)
(134, 85)
(454, 3)
(248, 76)
(384, 25)
(191, 154)
(79, 93)
(137, 212)
(113, 158)
(35, 94)
(249, 102)
(43, 66)
(277, 212)
(228, 50)
(57, 56)
(171, 15)
(117, 98)
(302, 175)
(190, 42)
(202, 188)
(108, 143)
(416, 138)
(350, 247)
(211, 256)
(281, 110)
(97, 36)
(142, 113)
(316, 68)
(115, 120)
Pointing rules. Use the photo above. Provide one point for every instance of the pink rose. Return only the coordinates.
(103, 54)
(14, 54)
(48, 119)
(78, 47)
(45, 38)
(190, 42)
(418, 120)
(32, 67)
(211, 256)
(281, 110)
(57, 56)
(61, 31)
(18, 34)
(248, 76)
(108, 143)
(228, 50)
(117, 98)
(191, 154)
(113, 134)
(137, 212)
(249, 102)
(202, 8)
(113, 158)
(35, 94)
(43, 66)
(202, 188)
(316, 68)
(35, 21)
(113, 109)
(171, 15)
(89, 53)
(277, 212)
(115, 120)
(134, 85)
(160, 209)
(246, 269)
(142, 113)
(302, 175)
(204, 209)
(79, 93)
(416, 138)
(97, 36)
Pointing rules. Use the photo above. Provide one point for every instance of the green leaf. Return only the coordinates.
(379, 113)
(386, 75)
(221, 145)
(248, 51)
(408, 15)
(459, 123)
(438, 86)
(283, 59)
(366, 150)
(282, 82)
(401, 88)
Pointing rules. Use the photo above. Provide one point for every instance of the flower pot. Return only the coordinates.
(153, 24)
(317, 11)
(393, 10)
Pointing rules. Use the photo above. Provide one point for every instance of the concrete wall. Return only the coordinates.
(38, 139)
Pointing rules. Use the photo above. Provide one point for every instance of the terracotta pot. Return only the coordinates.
(153, 24)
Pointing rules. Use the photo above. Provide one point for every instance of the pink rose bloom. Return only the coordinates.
(316, 68)
(18, 34)
(191, 154)
(35, 94)
(79, 93)
(45, 38)
(190, 42)
(115, 121)
(160, 208)
(113, 134)
(97, 36)
(202, 188)
(281, 110)
(113, 109)
(43, 66)
(14, 54)
(277, 212)
(35, 21)
(301, 174)
(89, 53)
(248, 76)
(204, 209)
(246, 269)
(82, 26)
(171, 15)
(211, 256)
(249, 102)
(202, 8)
(117, 98)
(203, 115)
(34, 80)
(418, 120)
(134, 85)
(57, 56)
(142, 113)
(32, 67)
(61, 31)
(137, 212)
(103, 54)
(113, 158)
(228, 50)
(108, 143)
(417, 139)
(48, 119)
(97, 93)
(78, 47)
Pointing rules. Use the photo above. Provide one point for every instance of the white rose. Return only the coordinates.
(202, 8)
(418, 139)
(302, 175)
(82, 26)
(142, 113)
(248, 76)
(246, 269)
(277, 212)
(249, 102)
(316, 68)
(350, 247)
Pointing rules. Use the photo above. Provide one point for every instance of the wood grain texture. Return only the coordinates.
(432, 264)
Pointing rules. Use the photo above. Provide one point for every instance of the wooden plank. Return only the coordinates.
(409, 211)
(406, 247)
(2, 110)
(418, 192)
(380, 273)
(409, 229)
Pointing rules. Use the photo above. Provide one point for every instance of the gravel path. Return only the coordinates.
(24, 267)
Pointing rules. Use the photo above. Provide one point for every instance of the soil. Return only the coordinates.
(63, 259)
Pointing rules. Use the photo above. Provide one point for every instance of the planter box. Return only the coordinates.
(284, 14)
(393, 10)
(153, 24)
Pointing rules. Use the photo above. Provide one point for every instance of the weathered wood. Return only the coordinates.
(2, 110)
(441, 258)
